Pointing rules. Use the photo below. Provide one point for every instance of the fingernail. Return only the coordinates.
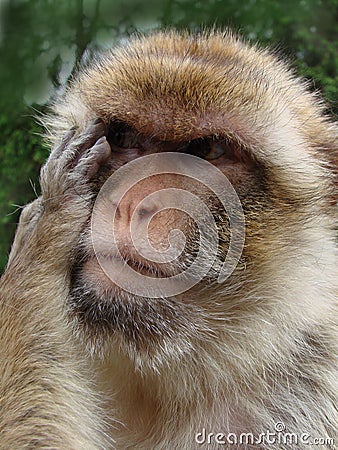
(101, 140)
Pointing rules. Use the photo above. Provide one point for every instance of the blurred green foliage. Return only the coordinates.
(43, 41)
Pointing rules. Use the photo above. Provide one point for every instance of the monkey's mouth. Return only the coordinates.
(109, 263)
(153, 271)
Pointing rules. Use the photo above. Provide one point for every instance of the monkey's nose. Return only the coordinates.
(134, 208)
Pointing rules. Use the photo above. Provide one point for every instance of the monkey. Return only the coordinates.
(244, 361)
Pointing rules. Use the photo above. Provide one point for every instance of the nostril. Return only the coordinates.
(142, 212)
(146, 212)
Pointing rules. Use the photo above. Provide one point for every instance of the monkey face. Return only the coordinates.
(209, 100)
(159, 234)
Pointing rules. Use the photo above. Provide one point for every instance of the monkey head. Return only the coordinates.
(216, 148)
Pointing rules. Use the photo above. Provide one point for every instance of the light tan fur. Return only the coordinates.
(241, 357)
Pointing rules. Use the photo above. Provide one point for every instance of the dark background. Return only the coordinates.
(42, 42)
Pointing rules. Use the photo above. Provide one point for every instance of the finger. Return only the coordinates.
(59, 150)
(93, 159)
(88, 138)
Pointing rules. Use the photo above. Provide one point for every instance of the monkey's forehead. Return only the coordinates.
(179, 86)
(176, 87)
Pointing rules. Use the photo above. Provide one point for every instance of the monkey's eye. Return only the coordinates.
(216, 149)
(207, 148)
(122, 136)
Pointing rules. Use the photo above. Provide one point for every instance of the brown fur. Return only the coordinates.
(239, 357)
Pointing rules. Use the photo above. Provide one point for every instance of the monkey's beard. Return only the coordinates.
(138, 324)
(104, 315)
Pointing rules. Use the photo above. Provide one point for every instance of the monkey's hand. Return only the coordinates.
(56, 218)
(51, 225)
(65, 178)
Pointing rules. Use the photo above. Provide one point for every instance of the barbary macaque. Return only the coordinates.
(171, 149)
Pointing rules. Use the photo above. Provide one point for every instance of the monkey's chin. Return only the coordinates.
(100, 312)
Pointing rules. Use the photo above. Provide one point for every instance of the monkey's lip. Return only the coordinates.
(142, 266)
